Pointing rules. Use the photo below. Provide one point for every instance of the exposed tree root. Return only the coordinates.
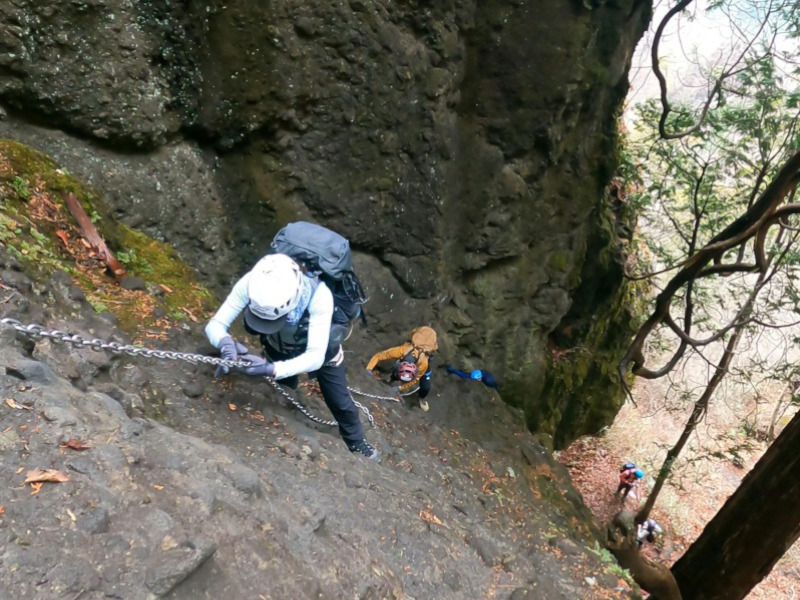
(650, 575)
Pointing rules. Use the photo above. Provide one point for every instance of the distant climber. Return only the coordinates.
(648, 531)
(629, 476)
(412, 362)
(476, 374)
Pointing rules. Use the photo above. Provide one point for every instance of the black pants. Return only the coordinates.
(625, 488)
(424, 387)
(333, 385)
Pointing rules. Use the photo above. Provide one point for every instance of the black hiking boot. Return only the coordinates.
(365, 448)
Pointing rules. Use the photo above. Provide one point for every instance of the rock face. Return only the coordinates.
(465, 148)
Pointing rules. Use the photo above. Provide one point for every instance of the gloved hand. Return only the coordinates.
(259, 366)
(228, 350)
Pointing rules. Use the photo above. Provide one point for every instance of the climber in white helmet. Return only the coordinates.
(292, 314)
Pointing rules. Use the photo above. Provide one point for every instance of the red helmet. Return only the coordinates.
(406, 371)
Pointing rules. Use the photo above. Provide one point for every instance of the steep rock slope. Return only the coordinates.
(173, 485)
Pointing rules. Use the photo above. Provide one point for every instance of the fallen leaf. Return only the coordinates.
(191, 316)
(76, 444)
(231, 406)
(168, 543)
(19, 406)
(37, 475)
(166, 288)
(37, 487)
(63, 236)
(430, 517)
(13, 403)
(2, 509)
(20, 470)
(7, 429)
(72, 516)
(158, 487)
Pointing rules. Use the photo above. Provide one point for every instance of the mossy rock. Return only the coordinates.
(38, 229)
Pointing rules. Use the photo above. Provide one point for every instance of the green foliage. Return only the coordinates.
(612, 566)
(134, 262)
(97, 305)
(20, 186)
(695, 187)
(176, 314)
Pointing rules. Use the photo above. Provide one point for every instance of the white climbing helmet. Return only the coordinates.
(275, 287)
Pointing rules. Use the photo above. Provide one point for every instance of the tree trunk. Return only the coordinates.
(654, 577)
(755, 527)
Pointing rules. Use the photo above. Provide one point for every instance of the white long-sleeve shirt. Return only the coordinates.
(320, 311)
(646, 528)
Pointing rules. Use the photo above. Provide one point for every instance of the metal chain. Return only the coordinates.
(311, 416)
(360, 393)
(390, 398)
(358, 404)
(37, 331)
(299, 406)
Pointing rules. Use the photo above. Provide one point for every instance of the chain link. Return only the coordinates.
(37, 332)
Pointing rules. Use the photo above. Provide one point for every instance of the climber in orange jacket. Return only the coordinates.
(412, 362)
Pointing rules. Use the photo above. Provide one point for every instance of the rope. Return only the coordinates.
(37, 332)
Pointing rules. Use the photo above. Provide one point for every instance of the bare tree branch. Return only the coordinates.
(732, 70)
(754, 223)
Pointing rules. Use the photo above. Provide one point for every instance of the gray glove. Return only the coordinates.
(229, 349)
(259, 366)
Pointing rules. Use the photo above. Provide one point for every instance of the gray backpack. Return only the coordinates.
(325, 253)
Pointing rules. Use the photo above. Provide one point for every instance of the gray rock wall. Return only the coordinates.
(466, 146)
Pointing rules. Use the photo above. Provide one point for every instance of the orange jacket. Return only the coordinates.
(399, 352)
